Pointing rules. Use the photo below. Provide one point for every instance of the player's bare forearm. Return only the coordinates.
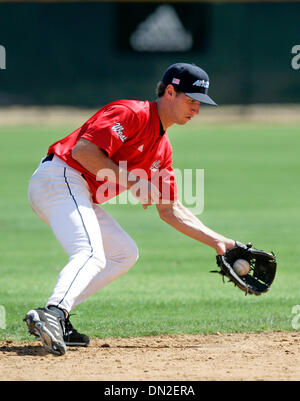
(95, 160)
(179, 217)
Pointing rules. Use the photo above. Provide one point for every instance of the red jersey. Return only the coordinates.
(131, 133)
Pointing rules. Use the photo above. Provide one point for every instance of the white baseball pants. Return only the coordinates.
(99, 250)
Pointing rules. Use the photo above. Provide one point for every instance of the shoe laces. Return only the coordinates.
(68, 326)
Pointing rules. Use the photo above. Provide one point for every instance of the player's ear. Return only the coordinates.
(170, 91)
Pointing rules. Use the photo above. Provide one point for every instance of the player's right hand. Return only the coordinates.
(145, 192)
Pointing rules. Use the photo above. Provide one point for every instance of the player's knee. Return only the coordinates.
(99, 260)
(132, 253)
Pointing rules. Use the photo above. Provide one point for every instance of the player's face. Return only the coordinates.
(184, 108)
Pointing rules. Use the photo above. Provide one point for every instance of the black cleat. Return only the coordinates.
(73, 338)
(49, 327)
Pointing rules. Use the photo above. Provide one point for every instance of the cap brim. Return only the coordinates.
(202, 98)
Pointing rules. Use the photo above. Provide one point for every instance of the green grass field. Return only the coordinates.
(252, 192)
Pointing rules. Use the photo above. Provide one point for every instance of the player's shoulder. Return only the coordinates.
(138, 107)
(135, 106)
(138, 114)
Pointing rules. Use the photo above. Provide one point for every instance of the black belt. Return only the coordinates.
(48, 158)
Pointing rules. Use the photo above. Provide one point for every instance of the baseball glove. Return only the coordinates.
(262, 268)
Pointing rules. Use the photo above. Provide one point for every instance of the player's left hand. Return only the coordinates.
(223, 245)
(262, 268)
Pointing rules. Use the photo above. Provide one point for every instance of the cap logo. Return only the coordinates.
(176, 81)
(201, 83)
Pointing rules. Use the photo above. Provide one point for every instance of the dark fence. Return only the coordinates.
(87, 54)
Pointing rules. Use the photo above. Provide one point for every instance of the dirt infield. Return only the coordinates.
(260, 356)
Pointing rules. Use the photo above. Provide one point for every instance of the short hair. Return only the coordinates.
(161, 88)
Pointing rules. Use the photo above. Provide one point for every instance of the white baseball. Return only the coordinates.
(241, 267)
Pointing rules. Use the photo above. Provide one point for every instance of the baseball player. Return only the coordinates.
(124, 146)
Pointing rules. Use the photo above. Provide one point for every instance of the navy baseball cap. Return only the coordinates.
(189, 79)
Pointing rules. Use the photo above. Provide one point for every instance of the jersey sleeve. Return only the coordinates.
(165, 180)
(168, 187)
(111, 128)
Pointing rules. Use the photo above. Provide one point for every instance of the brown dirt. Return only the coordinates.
(253, 356)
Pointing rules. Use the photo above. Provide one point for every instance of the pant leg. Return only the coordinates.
(60, 197)
(120, 249)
